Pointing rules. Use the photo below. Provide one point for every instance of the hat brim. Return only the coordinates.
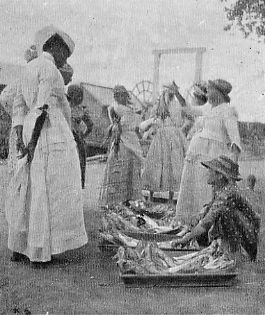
(213, 167)
(216, 87)
(47, 32)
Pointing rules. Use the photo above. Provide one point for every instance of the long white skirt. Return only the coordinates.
(194, 191)
(44, 206)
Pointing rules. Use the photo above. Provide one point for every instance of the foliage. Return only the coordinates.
(247, 15)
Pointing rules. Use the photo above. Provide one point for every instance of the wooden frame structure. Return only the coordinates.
(198, 51)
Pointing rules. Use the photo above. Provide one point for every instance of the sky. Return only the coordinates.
(115, 38)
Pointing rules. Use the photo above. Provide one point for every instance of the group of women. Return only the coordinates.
(44, 207)
(173, 162)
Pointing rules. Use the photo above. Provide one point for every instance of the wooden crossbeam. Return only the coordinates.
(179, 50)
(198, 51)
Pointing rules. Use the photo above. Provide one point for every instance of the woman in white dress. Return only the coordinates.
(163, 165)
(122, 178)
(219, 136)
(44, 207)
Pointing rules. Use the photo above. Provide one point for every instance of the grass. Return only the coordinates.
(86, 281)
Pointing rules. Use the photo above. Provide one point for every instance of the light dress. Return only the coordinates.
(44, 206)
(122, 178)
(165, 158)
(218, 133)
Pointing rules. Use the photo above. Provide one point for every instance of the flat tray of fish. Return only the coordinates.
(149, 265)
(204, 279)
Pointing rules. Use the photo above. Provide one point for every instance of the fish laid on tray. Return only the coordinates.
(121, 225)
(147, 258)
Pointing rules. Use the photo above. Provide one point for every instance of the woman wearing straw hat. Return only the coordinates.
(44, 205)
(219, 135)
(122, 179)
(229, 218)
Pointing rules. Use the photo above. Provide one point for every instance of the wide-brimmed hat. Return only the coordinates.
(221, 86)
(43, 35)
(225, 166)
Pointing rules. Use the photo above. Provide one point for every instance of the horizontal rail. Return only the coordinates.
(179, 50)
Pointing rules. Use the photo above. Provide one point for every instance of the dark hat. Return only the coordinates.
(121, 90)
(222, 87)
(225, 166)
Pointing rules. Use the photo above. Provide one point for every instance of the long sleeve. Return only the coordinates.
(20, 109)
(66, 110)
(145, 125)
(47, 94)
(231, 124)
(212, 215)
(50, 89)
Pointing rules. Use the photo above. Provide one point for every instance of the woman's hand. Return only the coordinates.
(182, 241)
(20, 145)
(29, 151)
(177, 242)
(235, 153)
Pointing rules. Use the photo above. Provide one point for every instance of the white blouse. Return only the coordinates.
(42, 83)
(221, 124)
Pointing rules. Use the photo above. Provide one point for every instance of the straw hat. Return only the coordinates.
(225, 166)
(221, 86)
(43, 35)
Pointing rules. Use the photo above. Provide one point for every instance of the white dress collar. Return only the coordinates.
(48, 56)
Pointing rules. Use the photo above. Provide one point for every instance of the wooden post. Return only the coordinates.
(156, 76)
(198, 66)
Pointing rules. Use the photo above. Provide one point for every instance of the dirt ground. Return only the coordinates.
(86, 281)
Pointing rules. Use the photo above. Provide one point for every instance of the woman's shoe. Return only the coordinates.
(17, 257)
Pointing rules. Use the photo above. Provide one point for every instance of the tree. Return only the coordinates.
(247, 15)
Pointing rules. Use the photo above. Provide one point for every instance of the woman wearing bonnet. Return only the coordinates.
(44, 206)
(219, 135)
(122, 179)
